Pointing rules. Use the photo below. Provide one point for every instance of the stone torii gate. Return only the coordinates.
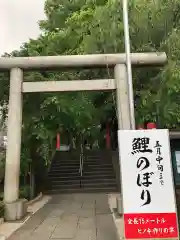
(16, 66)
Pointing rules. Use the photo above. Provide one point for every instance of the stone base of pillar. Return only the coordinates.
(16, 210)
(119, 205)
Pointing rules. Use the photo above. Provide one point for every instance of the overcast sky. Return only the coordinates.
(18, 22)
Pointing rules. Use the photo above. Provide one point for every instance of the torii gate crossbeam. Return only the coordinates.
(74, 61)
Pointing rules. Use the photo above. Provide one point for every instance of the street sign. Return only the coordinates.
(147, 184)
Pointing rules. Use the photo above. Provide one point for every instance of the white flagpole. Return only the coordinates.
(128, 61)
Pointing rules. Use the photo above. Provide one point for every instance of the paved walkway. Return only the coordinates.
(76, 217)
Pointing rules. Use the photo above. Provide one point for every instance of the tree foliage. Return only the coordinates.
(96, 26)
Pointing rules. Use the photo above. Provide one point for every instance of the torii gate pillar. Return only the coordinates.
(12, 171)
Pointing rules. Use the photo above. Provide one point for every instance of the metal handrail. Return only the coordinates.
(81, 161)
(80, 164)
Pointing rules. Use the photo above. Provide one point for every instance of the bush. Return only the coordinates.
(1, 196)
(2, 165)
(24, 191)
(1, 209)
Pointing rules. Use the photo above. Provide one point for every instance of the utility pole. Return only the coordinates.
(128, 62)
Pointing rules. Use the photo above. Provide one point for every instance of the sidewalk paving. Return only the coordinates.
(75, 216)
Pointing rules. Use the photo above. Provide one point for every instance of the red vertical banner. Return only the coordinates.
(58, 141)
(151, 125)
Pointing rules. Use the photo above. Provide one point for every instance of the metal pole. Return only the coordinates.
(128, 62)
(122, 98)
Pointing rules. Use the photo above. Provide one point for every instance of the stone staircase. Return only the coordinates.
(98, 174)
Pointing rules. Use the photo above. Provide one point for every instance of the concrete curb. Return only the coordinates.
(7, 229)
(118, 222)
(2, 237)
(39, 197)
(118, 226)
(1, 221)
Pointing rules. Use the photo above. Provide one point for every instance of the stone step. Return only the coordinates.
(83, 184)
(65, 170)
(82, 190)
(83, 181)
(84, 177)
(85, 168)
(98, 174)
(56, 174)
(69, 164)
